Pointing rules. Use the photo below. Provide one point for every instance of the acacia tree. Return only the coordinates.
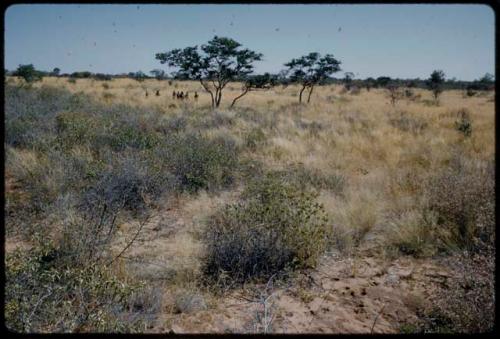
(214, 65)
(435, 83)
(264, 82)
(311, 69)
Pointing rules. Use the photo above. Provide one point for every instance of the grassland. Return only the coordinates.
(400, 201)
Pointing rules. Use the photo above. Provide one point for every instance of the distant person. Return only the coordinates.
(196, 96)
(157, 92)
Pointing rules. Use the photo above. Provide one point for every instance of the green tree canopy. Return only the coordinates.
(435, 83)
(311, 69)
(28, 73)
(215, 64)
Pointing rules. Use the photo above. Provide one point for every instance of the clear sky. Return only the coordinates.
(405, 41)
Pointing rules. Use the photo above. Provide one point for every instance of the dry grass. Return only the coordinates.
(387, 156)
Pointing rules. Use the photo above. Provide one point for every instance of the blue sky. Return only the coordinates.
(405, 41)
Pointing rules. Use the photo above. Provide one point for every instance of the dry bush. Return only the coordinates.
(276, 225)
(463, 196)
(467, 304)
(457, 211)
(464, 123)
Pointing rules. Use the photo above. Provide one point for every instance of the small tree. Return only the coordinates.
(435, 83)
(257, 82)
(348, 76)
(369, 83)
(139, 76)
(158, 74)
(28, 73)
(383, 81)
(220, 61)
(312, 69)
(487, 82)
(55, 72)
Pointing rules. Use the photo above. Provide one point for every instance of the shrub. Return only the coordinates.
(468, 304)
(199, 162)
(255, 138)
(28, 73)
(130, 181)
(73, 128)
(463, 198)
(42, 296)
(276, 225)
(464, 124)
(305, 177)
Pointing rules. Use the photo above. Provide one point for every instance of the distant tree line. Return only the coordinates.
(223, 60)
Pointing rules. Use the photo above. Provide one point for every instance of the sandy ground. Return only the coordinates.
(365, 293)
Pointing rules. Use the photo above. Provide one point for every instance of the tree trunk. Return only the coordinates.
(239, 96)
(310, 92)
(219, 98)
(210, 92)
(300, 95)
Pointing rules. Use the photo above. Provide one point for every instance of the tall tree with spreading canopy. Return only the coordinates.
(435, 83)
(214, 65)
(310, 70)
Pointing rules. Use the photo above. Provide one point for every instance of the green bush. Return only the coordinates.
(73, 128)
(42, 296)
(276, 225)
(199, 162)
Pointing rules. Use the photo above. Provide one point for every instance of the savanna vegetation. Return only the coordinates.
(132, 212)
